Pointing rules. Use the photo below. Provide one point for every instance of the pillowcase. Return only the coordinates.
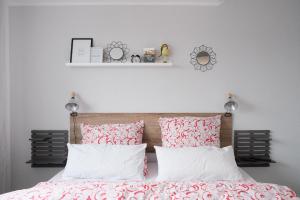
(196, 163)
(109, 162)
(190, 131)
(131, 133)
(126, 134)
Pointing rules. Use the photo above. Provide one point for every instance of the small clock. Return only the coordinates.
(135, 58)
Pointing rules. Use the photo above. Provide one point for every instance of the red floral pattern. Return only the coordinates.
(190, 131)
(92, 190)
(124, 134)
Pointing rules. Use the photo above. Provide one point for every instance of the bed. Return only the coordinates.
(60, 187)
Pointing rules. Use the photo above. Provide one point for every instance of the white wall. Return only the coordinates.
(257, 45)
(5, 155)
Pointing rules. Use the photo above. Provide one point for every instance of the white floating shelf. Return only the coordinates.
(114, 2)
(95, 65)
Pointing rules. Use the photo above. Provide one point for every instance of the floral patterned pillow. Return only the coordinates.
(124, 134)
(190, 131)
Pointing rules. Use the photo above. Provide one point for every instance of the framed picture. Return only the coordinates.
(81, 50)
(96, 54)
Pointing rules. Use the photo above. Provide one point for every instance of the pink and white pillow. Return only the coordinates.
(190, 131)
(126, 134)
(122, 134)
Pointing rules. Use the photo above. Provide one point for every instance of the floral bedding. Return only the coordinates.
(190, 131)
(92, 190)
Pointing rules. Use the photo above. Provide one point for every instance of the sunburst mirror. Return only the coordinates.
(116, 52)
(203, 58)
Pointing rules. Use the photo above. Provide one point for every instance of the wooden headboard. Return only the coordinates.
(152, 133)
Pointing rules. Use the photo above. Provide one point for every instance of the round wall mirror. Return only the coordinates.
(116, 53)
(203, 58)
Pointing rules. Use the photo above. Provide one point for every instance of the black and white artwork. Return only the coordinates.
(81, 50)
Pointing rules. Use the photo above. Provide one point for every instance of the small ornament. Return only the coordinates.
(164, 52)
(149, 55)
(135, 58)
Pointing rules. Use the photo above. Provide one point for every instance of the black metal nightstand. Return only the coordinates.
(252, 148)
(48, 148)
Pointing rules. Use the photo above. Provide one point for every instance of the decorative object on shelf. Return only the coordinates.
(149, 55)
(164, 52)
(203, 58)
(252, 148)
(96, 54)
(81, 50)
(48, 148)
(135, 59)
(72, 106)
(116, 52)
(230, 105)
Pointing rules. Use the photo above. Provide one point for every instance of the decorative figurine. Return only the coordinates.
(164, 52)
(135, 58)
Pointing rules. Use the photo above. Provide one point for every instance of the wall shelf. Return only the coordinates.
(114, 2)
(96, 65)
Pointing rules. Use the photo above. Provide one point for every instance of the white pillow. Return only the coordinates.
(205, 163)
(102, 161)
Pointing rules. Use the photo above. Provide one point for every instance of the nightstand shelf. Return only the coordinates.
(48, 148)
(252, 148)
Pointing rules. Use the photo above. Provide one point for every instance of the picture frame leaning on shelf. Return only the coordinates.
(81, 50)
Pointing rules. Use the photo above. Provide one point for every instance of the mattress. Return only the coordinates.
(60, 188)
(57, 188)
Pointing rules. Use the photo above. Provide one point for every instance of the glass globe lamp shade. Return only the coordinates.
(231, 106)
(72, 106)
